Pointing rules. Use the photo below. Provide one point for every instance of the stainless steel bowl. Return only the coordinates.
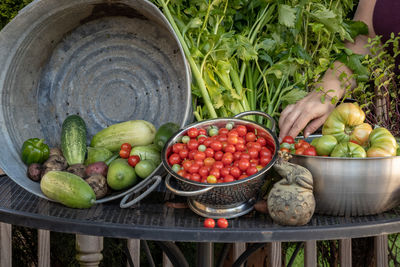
(226, 200)
(353, 186)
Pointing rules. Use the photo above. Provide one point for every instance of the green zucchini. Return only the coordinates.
(67, 189)
(73, 139)
(165, 132)
(134, 132)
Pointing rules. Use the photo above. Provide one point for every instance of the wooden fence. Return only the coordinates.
(89, 250)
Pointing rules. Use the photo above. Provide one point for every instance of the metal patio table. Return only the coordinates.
(153, 219)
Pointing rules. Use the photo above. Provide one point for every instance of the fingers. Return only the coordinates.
(286, 120)
(300, 122)
(314, 125)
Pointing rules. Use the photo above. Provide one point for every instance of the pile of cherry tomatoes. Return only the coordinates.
(299, 147)
(220, 155)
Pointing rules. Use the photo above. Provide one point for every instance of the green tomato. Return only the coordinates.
(348, 150)
(285, 145)
(176, 167)
(325, 144)
(144, 168)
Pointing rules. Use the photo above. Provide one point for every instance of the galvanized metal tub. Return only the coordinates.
(107, 61)
(353, 186)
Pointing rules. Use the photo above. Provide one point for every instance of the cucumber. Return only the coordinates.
(73, 139)
(67, 189)
(165, 132)
(134, 132)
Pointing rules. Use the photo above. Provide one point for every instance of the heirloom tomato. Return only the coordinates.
(361, 134)
(382, 143)
(325, 144)
(343, 120)
(348, 150)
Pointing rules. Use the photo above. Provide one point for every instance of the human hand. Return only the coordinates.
(309, 114)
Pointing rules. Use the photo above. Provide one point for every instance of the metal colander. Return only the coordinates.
(226, 200)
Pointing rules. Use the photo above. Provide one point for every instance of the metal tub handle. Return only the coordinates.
(185, 193)
(155, 180)
(255, 112)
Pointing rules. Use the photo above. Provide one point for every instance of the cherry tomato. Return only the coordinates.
(177, 147)
(240, 147)
(222, 138)
(199, 162)
(223, 131)
(227, 159)
(243, 176)
(218, 165)
(256, 146)
(253, 152)
(251, 170)
(195, 177)
(173, 159)
(241, 140)
(201, 139)
(193, 132)
(225, 171)
(191, 154)
(209, 223)
(264, 161)
(203, 171)
(215, 172)
(251, 137)
(184, 153)
(310, 151)
(233, 132)
(207, 142)
(124, 153)
(126, 146)
(209, 152)
(300, 151)
(212, 179)
(218, 155)
(229, 178)
(192, 144)
(194, 168)
(242, 130)
(181, 172)
(202, 131)
(186, 164)
(245, 155)
(216, 145)
(284, 149)
(244, 164)
(262, 141)
(134, 159)
(235, 172)
(230, 148)
(209, 161)
(288, 139)
(222, 223)
(199, 155)
(265, 152)
(232, 139)
(236, 155)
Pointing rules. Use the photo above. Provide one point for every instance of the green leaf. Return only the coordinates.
(245, 49)
(293, 96)
(287, 15)
(355, 28)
